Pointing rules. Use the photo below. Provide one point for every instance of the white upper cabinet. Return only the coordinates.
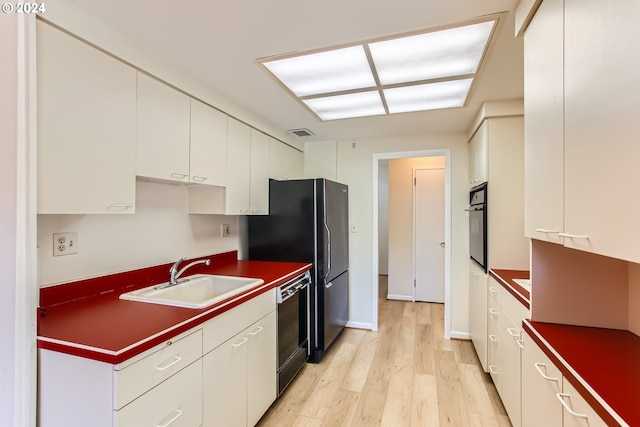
(238, 168)
(259, 174)
(602, 106)
(543, 123)
(208, 145)
(285, 162)
(581, 115)
(479, 156)
(86, 127)
(163, 125)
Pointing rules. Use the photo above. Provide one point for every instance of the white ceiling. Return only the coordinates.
(218, 42)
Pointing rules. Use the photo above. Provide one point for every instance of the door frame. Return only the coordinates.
(446, 152)
(415, 240)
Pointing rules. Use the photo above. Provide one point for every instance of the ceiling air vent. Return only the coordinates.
(301, 132)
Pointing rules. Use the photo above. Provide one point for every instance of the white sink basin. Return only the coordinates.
(197, 291)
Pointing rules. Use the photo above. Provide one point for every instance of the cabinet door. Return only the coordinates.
(478, 312)
(225, 384)
(259, 187)
(510, 357)
(577, 412)
(262, 366)
(601, 114)
(541, 381)
(163, 131)
(285, 162)
(208, 145)
(86, 127)
(494, 343)
(238, 167)
(478, 147)
(543, 123)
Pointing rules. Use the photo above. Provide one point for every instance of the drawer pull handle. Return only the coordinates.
(492, 369)
(257, 331)
(493, 338)
(547, 231)
(493, 290)
(539, 367)
(573, 236)
(493, 312)
(240, 343)
(521, 344)
(561, 397)
(123, 206)
(178, 413)
(513, 332)
(176, 359)
(178, 175)
(199, 178)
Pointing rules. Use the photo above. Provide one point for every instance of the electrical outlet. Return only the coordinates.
(225, 230)
(65, 243)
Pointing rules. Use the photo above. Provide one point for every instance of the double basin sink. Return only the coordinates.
(196, 291)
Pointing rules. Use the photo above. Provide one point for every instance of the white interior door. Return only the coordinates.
(429, 194)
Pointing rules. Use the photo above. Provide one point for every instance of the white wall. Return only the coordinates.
(355, 168)
(160, 231)
(401, 221)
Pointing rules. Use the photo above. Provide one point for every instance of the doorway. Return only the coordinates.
(381, 157)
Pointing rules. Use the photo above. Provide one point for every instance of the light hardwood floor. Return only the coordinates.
(406, 374)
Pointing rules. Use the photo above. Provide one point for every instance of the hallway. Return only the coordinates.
(406, 374)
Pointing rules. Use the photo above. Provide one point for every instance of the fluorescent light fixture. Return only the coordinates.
(432, 96)
(415, 72)
(453, 52)
(358, 104)
(324, 72)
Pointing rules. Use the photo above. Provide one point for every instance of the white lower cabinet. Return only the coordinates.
(548, 398)
(177, 402)
(478, 312)
(504, 320)
(172, 384)
(240, 376)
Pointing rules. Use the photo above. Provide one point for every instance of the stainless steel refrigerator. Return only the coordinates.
(308, 222)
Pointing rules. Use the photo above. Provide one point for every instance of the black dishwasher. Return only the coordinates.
(293, 336)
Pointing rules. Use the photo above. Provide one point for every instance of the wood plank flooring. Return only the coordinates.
(406, 374)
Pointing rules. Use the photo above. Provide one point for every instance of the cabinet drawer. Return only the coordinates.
(172, 356)
(176, 402)
(583, 414)
(219, 329)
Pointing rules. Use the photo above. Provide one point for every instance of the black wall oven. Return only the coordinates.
(478, 225)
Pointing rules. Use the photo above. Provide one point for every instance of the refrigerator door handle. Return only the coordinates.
(328, 251)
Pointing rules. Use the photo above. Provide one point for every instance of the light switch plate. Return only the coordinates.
(225, 230)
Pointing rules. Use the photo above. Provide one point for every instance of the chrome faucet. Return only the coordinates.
(174, 274)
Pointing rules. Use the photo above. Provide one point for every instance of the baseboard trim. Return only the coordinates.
(399, 297)
(359, 325)
(457, 335)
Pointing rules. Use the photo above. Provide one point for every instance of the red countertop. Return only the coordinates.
(88, 318)
(602, 364)
(505, 278)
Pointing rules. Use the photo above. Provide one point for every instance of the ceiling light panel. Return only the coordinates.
(347, 106)
(430, 96)
(324, 72)
(434, 55)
